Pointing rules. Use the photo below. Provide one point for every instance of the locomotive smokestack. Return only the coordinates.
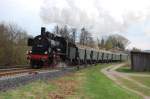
(43, 29)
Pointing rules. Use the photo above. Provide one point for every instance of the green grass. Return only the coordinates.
(36, 90)
(125, 69)
(130, 84)
(98, 86)
(134, 86)
(143, 80)
(88, 83)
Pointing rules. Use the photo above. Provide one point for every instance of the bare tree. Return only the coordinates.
(136, 49)
(69, 34)
(90, 40)
(86, 38)
(57, 30)
(101, 43)
(74, 31)
(63, 31)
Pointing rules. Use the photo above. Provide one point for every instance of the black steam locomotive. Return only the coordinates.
(49, 49)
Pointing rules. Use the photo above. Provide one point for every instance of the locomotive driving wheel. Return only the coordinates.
(33, 64)
(36, 64)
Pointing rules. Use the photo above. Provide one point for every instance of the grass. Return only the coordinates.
(98, 86)
(141, 79)
(125, 69)
(144, 80)
(134, 86)
(36, 90)
(87, 83)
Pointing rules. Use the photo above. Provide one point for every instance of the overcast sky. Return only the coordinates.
(130, 18)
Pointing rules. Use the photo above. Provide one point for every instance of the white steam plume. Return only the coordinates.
(87, 13)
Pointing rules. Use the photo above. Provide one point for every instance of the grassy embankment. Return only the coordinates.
(88, 83)
(143, 80)
(138, 77)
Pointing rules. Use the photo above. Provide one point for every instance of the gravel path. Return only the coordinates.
(112, 74)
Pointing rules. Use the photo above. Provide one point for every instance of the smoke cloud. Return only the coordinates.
(90, 14)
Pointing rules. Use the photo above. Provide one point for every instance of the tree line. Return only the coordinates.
(13, 44)
(111, 42)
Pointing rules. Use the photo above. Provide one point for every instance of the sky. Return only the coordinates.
(130, 18)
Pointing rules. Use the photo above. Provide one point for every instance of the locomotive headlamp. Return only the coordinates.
(45, 52)
(58, 49)
(30, 52)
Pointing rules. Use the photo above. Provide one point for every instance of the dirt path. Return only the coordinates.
(114, 75)
(141, 75)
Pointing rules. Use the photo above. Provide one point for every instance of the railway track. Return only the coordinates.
(5, 71)
(23, 70)
(14, 78)
(11, 69)
(16, 71)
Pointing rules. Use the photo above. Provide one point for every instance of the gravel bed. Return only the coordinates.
(7, 83)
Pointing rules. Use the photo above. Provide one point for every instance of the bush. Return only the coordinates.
(12, 44)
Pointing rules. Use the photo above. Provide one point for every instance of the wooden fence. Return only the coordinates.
(140, 61)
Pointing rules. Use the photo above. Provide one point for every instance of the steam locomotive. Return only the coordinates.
(48, 49)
